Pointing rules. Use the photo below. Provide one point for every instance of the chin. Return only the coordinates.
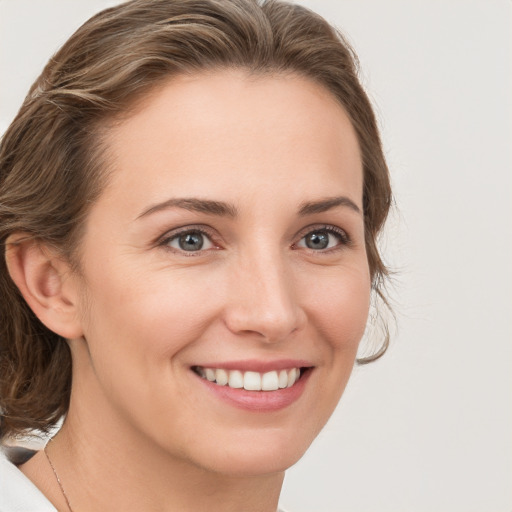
(251, 466)
(259, 456)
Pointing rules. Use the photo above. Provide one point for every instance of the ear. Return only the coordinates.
(46, 282)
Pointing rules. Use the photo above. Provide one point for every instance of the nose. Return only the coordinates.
(263, 301)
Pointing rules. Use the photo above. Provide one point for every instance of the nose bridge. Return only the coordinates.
(263, 299)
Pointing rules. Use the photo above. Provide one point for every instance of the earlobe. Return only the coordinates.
(46, 283)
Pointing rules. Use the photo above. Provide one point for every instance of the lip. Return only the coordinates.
(259, 401)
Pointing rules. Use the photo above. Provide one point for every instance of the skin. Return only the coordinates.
(142, 431)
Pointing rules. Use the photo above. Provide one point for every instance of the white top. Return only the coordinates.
(19, 494)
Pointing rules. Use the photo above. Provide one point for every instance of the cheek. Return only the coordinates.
(147, 314)
(337, 308)
(338, 305)
(136, 327)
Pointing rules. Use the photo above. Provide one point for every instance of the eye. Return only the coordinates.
(190, 241)
(323, 239)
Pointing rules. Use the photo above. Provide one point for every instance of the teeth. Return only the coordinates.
(221, 377)
(283, 379)
(236, 379)
(270, 381)
(292, 376)
(251, 381)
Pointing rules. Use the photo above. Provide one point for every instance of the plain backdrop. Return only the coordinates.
(429, 427)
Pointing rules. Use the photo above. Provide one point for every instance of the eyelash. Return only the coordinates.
(343, 238)
(169, 237)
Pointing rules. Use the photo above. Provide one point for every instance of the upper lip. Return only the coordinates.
(257, 365)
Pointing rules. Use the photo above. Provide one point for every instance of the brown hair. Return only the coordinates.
(51, 167)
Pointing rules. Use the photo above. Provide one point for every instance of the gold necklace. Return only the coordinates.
(57, 476)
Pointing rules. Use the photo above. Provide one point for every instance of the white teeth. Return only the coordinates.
(221, 376)
(291, 377)
(269, 381)
(236, 379)
(251, 381)
(283, 379)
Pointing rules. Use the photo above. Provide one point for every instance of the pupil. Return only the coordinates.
(191, 241)
(317, 240)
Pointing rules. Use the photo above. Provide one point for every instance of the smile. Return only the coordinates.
(250, 380)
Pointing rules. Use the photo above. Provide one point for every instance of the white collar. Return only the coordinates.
(17, 492)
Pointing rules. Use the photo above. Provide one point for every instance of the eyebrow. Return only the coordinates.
(324, 205)
(223, 209)
(194, 205)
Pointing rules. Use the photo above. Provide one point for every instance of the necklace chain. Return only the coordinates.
(57, 476)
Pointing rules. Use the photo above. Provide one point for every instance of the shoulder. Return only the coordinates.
(17, 492)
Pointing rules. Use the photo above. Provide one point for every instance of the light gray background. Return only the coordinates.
(429, 427)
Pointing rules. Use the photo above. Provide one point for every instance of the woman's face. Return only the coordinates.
(227, 245)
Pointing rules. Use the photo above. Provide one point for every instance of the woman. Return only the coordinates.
(190, 200)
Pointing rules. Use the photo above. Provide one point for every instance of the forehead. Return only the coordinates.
(212, 132)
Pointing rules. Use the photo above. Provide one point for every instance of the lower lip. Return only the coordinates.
(259, 401)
